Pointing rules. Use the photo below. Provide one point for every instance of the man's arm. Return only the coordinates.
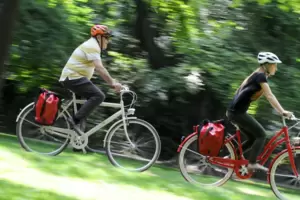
(103, 72)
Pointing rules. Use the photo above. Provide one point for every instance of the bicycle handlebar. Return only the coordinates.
(292, 117)
(124, 88)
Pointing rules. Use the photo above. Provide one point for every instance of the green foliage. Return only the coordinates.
(214, 45)
(42, 44)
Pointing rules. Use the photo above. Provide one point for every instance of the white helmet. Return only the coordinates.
(267, 57)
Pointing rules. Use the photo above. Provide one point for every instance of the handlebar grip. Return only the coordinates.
(292, 117)
(125, 87)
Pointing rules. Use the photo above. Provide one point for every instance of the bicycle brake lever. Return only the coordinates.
(292, 117)
(124, 87)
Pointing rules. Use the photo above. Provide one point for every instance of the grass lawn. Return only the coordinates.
(28, 176)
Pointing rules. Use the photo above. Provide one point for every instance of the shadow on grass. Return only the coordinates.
(96, 167)
(12, 191)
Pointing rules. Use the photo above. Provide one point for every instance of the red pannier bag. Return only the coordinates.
(211, 137)
(46, 107)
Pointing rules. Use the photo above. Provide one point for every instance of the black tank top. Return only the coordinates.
(247, 93)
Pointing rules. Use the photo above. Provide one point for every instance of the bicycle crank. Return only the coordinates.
(79, 142)
(242, 172)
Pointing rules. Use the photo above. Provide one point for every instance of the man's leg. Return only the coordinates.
(88, 90)
(82, 123)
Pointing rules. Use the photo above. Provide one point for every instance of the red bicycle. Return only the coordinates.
(285, 165)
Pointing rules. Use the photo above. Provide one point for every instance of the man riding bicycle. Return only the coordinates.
(79, 69)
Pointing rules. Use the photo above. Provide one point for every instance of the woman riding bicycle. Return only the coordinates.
(255, 85)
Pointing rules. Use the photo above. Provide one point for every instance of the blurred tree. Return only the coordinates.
(184, 58)
(8, 11)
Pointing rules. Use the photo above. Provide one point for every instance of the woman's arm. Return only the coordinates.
(271, 98)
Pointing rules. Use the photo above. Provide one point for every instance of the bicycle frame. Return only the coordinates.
(63, 132)
(263, 157)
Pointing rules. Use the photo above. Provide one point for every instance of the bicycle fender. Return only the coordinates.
(185, 140)
(23, 110)
(113, 126)
(276, 157)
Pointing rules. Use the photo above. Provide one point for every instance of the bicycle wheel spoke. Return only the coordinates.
(121, 143)
(144, 153)
(145, 145)
(50, 136)
(35, 132)
(195, 152)
(219, 170)
(287, 176)
(33, 123)
(293, 182)
(40, 137)
(145, 149)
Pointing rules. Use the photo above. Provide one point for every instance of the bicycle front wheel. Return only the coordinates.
(284, 183)
(35, 138)
(137, 150)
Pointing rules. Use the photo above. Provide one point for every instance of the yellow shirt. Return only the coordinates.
(80, 64)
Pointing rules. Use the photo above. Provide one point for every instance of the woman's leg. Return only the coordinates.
(253, 127)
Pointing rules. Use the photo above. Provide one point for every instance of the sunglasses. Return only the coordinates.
(108, 35)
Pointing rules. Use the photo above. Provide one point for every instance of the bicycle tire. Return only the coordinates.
(183, 170)
(271, 175)
(23, 144)
(119, 124)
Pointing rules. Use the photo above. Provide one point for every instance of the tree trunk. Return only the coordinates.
(8, 10)
(146, 35)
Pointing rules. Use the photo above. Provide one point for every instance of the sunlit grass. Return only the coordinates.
(71, 175)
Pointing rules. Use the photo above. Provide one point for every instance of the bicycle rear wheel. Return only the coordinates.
(197, 170)
(145, 144)
(35, 138)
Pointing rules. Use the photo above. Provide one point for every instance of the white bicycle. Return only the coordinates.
(120, 142)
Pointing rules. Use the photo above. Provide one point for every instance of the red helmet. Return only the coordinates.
(100, 30)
